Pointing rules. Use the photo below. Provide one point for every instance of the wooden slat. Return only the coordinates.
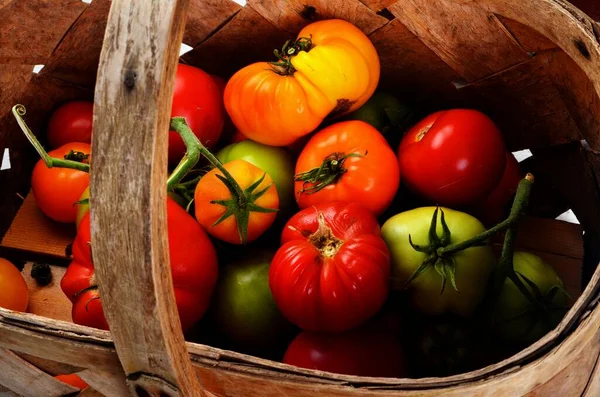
(34, 232)
(32, 29)
(526, 105)
(27, 380)
(531, 40)
(475, 48)
(133, 99)
(13, 80)
(232, 48)
(205, 17)
(76, 57)
(378, 5)
(292, 15)
(50, 366)
(593, 386)
(107, 383)
(48, 301)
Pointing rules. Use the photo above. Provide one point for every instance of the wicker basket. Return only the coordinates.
(533, 65)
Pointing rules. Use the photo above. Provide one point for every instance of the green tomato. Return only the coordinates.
(473, 265)
(276, 161)
(243, 310)
(84, 207)
(515, 318)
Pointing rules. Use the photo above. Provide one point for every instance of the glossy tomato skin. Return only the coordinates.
(198, 98)
(71, 122)
(371, 178)
(332, 270)
(210, 188)
(14, 294)
(372, 349)
(336, 76)
(57, 189)
(193, 267)
(453, 158)
(496, 206)
(473, 265)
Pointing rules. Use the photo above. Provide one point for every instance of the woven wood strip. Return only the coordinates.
(378, 5)
(205, 17)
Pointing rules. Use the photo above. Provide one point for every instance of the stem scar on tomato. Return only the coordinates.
(324, 240)
(329, 172)
(291, 48)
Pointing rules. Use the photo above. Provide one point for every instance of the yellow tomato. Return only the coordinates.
(14, 294)
(82, 208)
(331, 69)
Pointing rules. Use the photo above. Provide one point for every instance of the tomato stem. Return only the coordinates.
(19, 111)
(329, 172)
(291, 48)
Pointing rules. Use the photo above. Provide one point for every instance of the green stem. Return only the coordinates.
(195, 148)
(19, 111)
(517, 212)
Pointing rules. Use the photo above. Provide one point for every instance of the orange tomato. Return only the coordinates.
(14, 294)
(211, 189)
(358, 166)
(331, 69)
(57, 189)
(73, 380)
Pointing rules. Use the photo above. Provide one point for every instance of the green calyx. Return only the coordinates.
(291, 48)
(329, 172)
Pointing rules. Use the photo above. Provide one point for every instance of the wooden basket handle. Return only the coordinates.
(130, 248)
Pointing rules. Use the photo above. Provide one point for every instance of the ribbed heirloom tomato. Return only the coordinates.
(332, 271)
(453, 158)
(193, 266)
(332, 68)
(348, 161)
(57, 189)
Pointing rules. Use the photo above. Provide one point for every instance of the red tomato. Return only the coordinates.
(71, 122)
(358, 166)
(73, 380)
(332, 271)
(56, 189)
(453, 157)
(238, 137)
(193, 265)
(229, 128)
(496, 206)
(370, 350)
(197, 97)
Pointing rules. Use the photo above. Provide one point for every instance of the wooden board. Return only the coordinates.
(34, 232)
(48, 301)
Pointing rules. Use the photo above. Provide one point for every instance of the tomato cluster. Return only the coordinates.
(291, 236)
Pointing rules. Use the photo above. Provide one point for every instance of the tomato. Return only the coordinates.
(515, 318)
(358, 166)
(332, 270)
(238, 137)
(472, 266)
(82, 208)
(229, 129)
(496, 206)
(453, 158)
(71, 122)
(210, 214)
(370, 350)
(73, 380)
(198, 98)
(275, 161)
(57, 189)
(193, 265)
(14, 294)
(331, 69)
(384, 112)
(243, 307)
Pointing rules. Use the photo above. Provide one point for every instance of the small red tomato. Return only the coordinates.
(332, 271)
(370, 350)
(73, 380)
(71, 122)
(495, 207)
(453, 158)
(57, 189)
(197, 97)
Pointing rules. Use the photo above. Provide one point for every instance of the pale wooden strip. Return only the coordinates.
(107, 383)
(48, 301)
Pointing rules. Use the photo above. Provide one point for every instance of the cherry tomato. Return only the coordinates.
(357, 164)
(332, 271)
(57, 189)
(197, 97)
(14, 294)
(71, 122)
(453, 158)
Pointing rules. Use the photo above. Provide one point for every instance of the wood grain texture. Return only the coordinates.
(292, 15)
(76, 58)
(47, 301)
(593, 386)
(49, 366)
(205, 17)
(528, 38)
(23, 39)
(131, 117)
(27, 380)
(108, 383)
(378, 5)
(465, 47)
(34, 232)
(13, 80)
